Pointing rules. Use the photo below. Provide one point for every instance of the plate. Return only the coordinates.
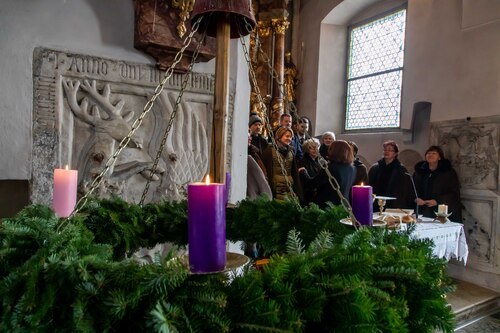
(376, 223)
(234, 263)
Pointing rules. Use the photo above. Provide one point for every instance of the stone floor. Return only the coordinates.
(490, 324)
(476, 309)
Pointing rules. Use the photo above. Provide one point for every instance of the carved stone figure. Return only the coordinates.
(110, 124)
(474, 152)
(186, 150)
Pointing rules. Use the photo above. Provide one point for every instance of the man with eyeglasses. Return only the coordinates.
(389, 178)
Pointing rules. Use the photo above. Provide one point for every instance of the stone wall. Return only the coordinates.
(84, 106)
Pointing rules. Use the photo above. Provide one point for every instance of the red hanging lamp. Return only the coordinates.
(239, 14)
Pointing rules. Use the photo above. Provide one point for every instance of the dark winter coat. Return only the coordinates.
(259, 142)
(313, 169)
(323, 151)
(361, 172)
(441, 185)
(343, 173)
(392, 180)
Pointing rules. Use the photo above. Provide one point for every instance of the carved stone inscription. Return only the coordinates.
(85, 106)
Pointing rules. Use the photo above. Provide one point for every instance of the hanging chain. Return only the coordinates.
(149, 105)
(172, 117)
(264, 111)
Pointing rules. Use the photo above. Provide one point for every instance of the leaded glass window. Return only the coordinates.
(375, 73)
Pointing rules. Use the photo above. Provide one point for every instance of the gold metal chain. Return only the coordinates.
(149, 105)
(172, 117)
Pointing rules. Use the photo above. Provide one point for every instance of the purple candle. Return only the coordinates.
(362, 204)
(207, 227)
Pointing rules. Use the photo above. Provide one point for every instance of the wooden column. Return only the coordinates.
(279, 27)
(221, 103)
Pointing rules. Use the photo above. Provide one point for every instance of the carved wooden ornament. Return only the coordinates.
(156, 34)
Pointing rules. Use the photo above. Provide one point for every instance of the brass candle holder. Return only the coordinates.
(442, 217)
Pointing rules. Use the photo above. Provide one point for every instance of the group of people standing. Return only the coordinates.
(304, 167)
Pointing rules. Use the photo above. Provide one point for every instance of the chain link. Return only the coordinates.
(253, 78)
(172, 117)
(149, 105)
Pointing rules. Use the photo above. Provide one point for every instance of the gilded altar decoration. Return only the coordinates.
(185, 6)
(290, 78)
(264, 28)
(280, 25)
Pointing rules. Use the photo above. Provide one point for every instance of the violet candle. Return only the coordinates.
(64, 199)
(206, 227)
(362, 204)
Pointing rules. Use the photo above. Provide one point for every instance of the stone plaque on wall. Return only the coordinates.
(473, 145)
(84, 106)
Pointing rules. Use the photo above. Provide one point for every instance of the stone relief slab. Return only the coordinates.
(85, 105)
(473, 148)
(472, 145)
(481, 229)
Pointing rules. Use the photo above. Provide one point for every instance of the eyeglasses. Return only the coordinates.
(390, 150)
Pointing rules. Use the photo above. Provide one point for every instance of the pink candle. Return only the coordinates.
(65, 183)
(362, 204)
(207, 227)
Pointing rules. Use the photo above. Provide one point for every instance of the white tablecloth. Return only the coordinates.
(449, 238)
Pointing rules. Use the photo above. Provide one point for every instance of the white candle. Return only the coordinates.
(442, 209)
(65, 183)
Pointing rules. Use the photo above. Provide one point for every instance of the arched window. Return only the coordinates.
(375, 72)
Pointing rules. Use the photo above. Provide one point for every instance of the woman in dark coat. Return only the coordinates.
(341, 158)
(310, 162)
(361, 171)
(389, 178)
(437, 183)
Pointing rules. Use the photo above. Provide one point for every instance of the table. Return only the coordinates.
(449, 238)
